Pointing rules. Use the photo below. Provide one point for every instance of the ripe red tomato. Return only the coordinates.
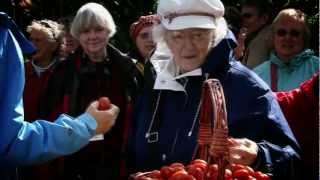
(199, 161)
(104, 103)
(166, 172)
(173, 165)
(212, 172)
(241, 174)
(260, 176)
(228, 174)
(196, 172)
(181, 175)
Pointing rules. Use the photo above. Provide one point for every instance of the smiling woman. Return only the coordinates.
(98, 69)
(291, 62)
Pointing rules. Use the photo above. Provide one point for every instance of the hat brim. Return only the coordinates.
(191, 21)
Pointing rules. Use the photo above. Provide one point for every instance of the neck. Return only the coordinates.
(43, 62)
(98, 57)
(286, 59)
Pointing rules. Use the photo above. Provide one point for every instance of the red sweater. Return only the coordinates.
(301, 108)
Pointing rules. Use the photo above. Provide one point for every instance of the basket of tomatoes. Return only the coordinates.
(210, 162)
(199, 169)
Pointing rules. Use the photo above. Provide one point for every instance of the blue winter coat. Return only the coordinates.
(21, 142)
(252, 110)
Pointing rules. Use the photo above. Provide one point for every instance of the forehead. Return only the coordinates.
(35, 33)
(146, 29)
(249, 9)
(288, 21)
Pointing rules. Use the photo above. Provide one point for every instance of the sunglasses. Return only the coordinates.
(292, 32)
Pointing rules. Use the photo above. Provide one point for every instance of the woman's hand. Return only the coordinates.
(242, 151)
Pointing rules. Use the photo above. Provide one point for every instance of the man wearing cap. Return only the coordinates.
(23, 143)
(194, 41)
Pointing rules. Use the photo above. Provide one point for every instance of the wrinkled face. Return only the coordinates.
(94, 40)
(45, 47)
(251, 19)
(189, 47)
(144, 41)
(288, 38)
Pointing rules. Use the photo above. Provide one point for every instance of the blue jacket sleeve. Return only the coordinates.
(22, 142)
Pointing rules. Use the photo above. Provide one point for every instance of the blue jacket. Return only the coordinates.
(21, 142)
(300, 68)
(252, 110)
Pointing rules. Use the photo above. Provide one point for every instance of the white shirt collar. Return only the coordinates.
(167, 75)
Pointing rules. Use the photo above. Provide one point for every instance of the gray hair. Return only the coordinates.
(91, 15)
(52, 29)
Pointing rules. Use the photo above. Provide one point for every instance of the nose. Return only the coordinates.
(189, 43)
(92, 34)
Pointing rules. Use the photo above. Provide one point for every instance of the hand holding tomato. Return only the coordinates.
(105, 119)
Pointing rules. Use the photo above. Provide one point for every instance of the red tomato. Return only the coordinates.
(196, 172)
(199, 161)
(166, 172)
(241, 174)
(104, 103)
(212, 172)
(228, 174)
(202, 166)
(235, 167)
(181, 175)
(177, 165)
(260, 176)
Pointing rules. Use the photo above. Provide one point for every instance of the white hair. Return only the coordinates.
(91, 15)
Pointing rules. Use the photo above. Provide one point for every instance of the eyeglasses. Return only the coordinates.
(247, 15)
(292, 32)
(195, 36)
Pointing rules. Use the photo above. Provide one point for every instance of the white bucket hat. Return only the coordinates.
(183, 14)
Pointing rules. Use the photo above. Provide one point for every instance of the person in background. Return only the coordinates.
(68, 44)
(291, 62)
(255, 19)
(301, 108)
(46, 35)
(99, 69)
(21, 142)
(198, 45)
(141, 35)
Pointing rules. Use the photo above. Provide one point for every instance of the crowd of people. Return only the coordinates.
(50, 81)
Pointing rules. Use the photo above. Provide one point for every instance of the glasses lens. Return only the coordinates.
(293, 32)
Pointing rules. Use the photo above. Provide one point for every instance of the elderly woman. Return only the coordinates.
(46, 36)
(40, 70)
(291, 62)
(141, 35)
(98, 69)
(194, 40)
